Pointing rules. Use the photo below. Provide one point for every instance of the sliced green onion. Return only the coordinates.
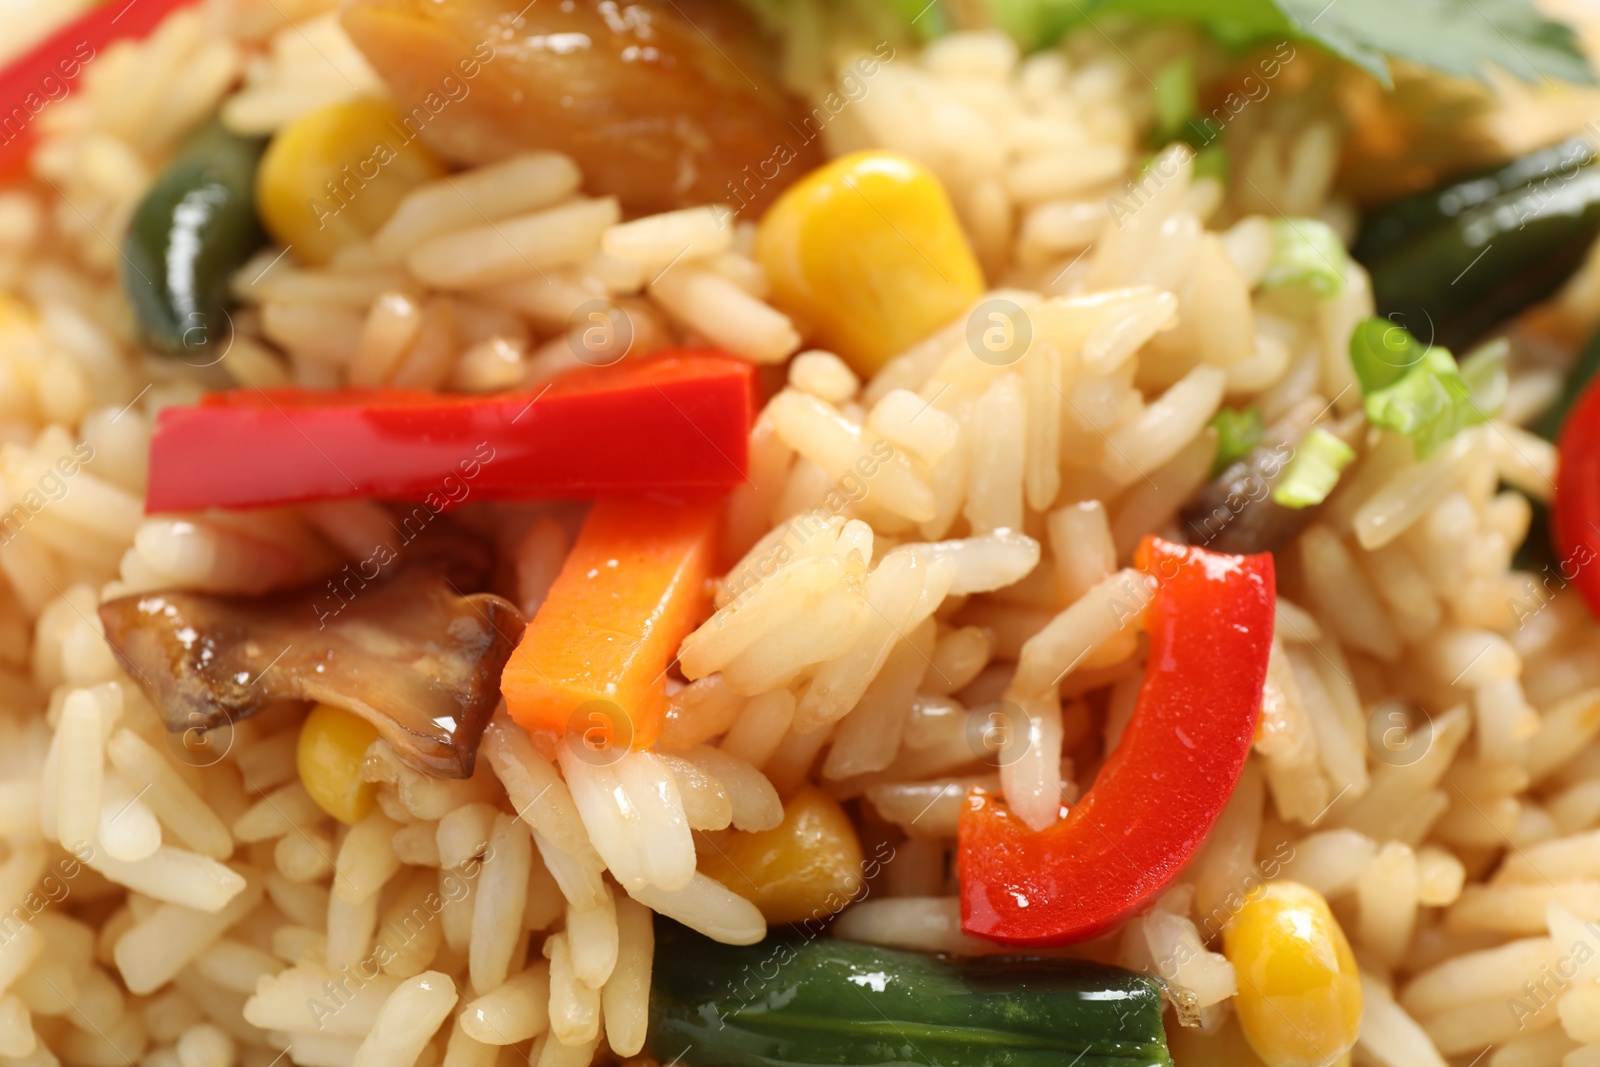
(1176, 99)
(1430, 404)
(1484, 371)
(1306, 252)
(1418, 390)
(1314, 470)
(1381, 352)
(1237, 433)
(1212, 162)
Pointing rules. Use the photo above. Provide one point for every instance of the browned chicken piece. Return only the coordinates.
(663, 103)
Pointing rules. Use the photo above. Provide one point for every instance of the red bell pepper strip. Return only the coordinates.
(1576, 517)
(1160, 791)
(47, 72)
(679, 421)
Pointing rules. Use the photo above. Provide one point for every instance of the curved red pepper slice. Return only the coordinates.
(1576, 518)
(1159, 793)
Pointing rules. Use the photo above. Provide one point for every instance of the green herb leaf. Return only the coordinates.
(1237, 433)
(1463, 37)
(1306, 252)
(1314, 470)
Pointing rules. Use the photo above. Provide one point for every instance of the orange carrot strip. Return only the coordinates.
(632, 588)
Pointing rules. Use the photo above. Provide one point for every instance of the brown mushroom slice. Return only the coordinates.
(409, 655)
(662, 103)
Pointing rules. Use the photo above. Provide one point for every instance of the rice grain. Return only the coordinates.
(407, 1020)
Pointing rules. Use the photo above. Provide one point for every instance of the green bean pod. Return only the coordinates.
(1455, 261)
(792, 1001)
(193, 229)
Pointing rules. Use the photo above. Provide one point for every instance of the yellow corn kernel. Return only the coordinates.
(867, 250)
(332, 743)
(1299, 999)
(330, 178)
(809, 866)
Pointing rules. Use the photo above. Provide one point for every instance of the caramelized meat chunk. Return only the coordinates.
(417, 660)
(663, 103)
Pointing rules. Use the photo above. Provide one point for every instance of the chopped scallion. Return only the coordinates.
(1306, 252)
(1382, 352)
(1211, 162)
(1414, 389)
(1314, 470)
(1175, 99)
(1237, 433)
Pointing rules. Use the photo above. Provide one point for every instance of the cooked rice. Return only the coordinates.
(875, 625)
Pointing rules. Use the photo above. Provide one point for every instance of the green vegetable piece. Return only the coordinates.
(193, 229)
(1212, 162)
(1430, 404)
(1176, 100)
(1306, 252)
(1034, 24)
(792, 1001)
(928, 20)
(1463, 37)
(1414, 389)
(1484, 371)
(1237, 433)
(1314, 470)
(1478, 250)
(1382, 352)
